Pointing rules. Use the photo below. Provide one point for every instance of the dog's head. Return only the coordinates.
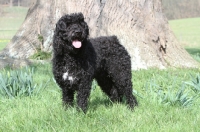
(73, 31)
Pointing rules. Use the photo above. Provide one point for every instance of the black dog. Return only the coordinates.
(78, 60)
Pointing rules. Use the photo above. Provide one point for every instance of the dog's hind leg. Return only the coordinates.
(124, 85)
(130, 98)
(106, 84)
(121, 78)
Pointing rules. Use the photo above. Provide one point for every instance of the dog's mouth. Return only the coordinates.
(77, 44)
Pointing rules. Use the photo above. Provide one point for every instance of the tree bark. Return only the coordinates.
(18, 3)
(11, 3)
(139, 24)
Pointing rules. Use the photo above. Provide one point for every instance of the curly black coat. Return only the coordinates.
(78, 60)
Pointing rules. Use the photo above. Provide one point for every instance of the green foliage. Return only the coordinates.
(94, 84)
(168, 94)
(169, 97)
(195, 83)
(17, 83)
(194, 52)
(196, 57)
(40, 38)
(41, 55)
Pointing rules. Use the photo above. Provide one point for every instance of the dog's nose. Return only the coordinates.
(78, 33)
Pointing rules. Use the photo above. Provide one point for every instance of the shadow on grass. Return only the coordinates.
(193, 51)
(98, 102)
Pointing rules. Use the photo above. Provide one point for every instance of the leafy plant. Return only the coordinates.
(94, 84)
(195, 83)
(170, 96)
(180, 98)
(41, 55)
(18, 83)
(196, 57)
(40, 38)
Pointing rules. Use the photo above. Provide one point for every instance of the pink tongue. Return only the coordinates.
(76, 43)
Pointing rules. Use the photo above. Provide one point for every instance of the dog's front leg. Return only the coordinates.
(83, 95)
(67, 97)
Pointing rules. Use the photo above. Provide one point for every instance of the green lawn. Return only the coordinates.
(11, 20)
(194, 52)
(44, 111)
(3, 43)
(187, 31)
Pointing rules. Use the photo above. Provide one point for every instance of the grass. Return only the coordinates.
(44, 111)
(194, 52)
(11, 20)
(187, 31)
(3, 44)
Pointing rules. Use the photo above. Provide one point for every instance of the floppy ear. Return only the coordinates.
(60, 26)
(86, 28)
(57, 45)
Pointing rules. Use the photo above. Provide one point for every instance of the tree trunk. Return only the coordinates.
(11, 3)
(139, 24)
(18, 2)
